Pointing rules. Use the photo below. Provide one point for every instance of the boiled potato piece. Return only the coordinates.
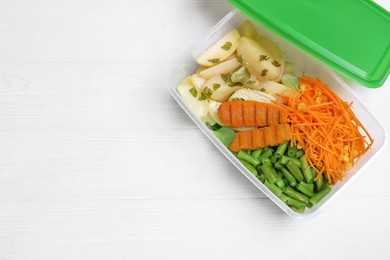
(277, 88)
(252, 94)
(221, 50)
(199, 108)
(221, 90)
(221, 68)
(259, 61)
(274, 50)
(247, 29)
(213, 111)
(198, 82)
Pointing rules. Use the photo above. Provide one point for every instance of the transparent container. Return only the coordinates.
(187, 66)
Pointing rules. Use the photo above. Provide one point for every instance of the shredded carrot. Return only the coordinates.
(326, 128)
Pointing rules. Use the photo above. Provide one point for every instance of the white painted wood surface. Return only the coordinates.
(97, 161)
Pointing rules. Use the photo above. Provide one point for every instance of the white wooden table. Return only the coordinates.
(97, 161)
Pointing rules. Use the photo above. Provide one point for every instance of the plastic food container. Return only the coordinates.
(187, 66)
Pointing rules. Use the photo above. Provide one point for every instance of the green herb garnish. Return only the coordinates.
(264, 57)
(238, 99)
(215, 60)
(276, 63)
(264, 72)
(262, 89)
(227, 46)
(193, 91)
(226, 77)
(234, 84)
(216, 86)
(206, 93)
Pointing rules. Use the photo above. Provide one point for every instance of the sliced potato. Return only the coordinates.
(259, 61)
(247, 29)
(200, 108)
(221, 50)
(251, 94)
(213, 111)
(223, 92)
(198, 82)
(277, 88)
(274, 50)
(221, 68)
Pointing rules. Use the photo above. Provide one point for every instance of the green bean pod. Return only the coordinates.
(280, 183)
(320, 182)
(249, 167)
(269, 172)
(266, 154)
(257, 153)
(249, 158)
(299, 154)
(306, 169)
(296, 195)
(273, 188)
(296, 203)
(295, 171)
(321, 194)
(289, 177)
(291, 151)
(281, 149)
(302, 187)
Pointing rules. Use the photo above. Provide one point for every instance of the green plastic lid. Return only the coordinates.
(350, 36)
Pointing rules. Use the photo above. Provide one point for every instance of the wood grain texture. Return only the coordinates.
(97, 161)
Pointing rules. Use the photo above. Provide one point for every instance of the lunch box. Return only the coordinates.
(306, 62)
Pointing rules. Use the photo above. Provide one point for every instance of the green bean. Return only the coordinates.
(273, 188)
(311, 187)
(285, 159)
(278, 165)
(269, 172)
(266, 161)
(320, 182)
(313, 173)
(262, 177)
(299, 210)
(249, 167)
(296, 195)
(280, 175)
(281, 149)
(257, 153)
(283, 197)
(247, 157)
(306, 169)
(304, 189)
(279, 182)
(273, 159)
(296, 203)
(321, 194)
(291, 151)
(285, 181)
(266, 154)
(295, 171)
(290, 178)
(299, 154)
